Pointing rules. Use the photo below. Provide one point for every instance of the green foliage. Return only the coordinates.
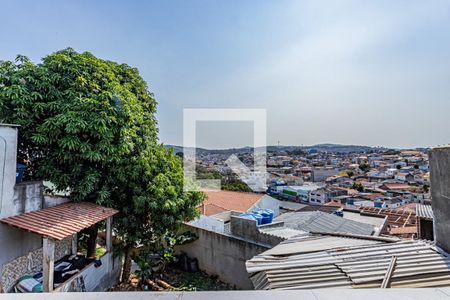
(236, 186)
(88, 126)
(78, 114)
(228, 183)
(155, 260)
(358, 186)
(145, 265)
(364, 167)
(198, 281)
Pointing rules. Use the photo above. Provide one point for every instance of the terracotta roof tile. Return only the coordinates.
(61, 221)
(211, 209)
(403, 230)
(231, 201)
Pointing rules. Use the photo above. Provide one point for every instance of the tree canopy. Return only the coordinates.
(88, 126)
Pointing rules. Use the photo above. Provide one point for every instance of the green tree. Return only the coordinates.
(364, 167)
(358, 186)
(88, 125)
(153, 183)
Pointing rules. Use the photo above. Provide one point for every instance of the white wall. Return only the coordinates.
(209, 223)
(8, 158)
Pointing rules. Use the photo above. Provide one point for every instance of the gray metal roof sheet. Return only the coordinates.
(283, 232)
(318, 221)
(419, 264)
(424, 211)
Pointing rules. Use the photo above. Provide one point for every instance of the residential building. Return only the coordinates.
(38, 233)
(300, 193)
(322, 196)
(320, 174)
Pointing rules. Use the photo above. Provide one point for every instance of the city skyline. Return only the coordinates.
(348, 72)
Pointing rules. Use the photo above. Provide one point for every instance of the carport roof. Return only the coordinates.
(61, 221)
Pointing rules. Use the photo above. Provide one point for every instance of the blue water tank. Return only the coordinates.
(267, 215)
(258, 218)
(253, 216)
(20, 169)
(377, 204)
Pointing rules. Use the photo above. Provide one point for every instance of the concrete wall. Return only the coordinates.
(51, 200)
(249, 230)
(8, 157)
(95, 278)
(18, 248)
(15, 242)
(222, 255)
(30, 263)
(28, 197)
(440, 193)
(209, 223)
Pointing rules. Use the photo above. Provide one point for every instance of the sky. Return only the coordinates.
(352, 72)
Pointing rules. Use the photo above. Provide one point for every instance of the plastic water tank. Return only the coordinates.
(20, 169)
(270, 214)
(258, 218)
(252, 216)
(267, 215)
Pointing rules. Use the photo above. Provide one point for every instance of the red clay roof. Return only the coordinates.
(396, 186)
(229, 201)
(403, 230)
(373, 196)
(409, 207)
(61, 221)
(211, 209)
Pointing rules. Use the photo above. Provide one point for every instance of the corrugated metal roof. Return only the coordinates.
(323, 222)
(419, 264)
(283, 232)
(62, 220)
(314, 244)
(424, 211)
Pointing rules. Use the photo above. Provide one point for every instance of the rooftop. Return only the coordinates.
(318, 221)
(319, 262)
(61, 221)
(229, 201)
(424, 211)
(396, 217)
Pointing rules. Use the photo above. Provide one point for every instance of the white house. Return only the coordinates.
(404, 176)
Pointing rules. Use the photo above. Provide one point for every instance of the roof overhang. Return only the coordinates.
(61, 221)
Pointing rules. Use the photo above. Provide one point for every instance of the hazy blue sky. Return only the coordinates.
(353, 72)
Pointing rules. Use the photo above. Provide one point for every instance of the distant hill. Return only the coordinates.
(333, 148)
